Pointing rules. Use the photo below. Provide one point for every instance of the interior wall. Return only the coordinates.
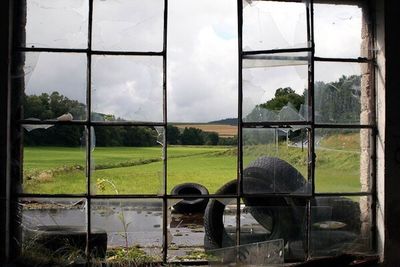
(5, 54)
(390, 113)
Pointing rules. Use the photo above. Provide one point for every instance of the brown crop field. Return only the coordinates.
(223, 130)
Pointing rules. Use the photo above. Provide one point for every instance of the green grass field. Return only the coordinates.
(132, 170)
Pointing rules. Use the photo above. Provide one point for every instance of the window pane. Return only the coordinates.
(341, 225)
(127, 160)
(275, 160)
(57, 23)
(127, 88)
(204, 154)
(274, 25)
(54, 159)
(343, 93)
(191, 234)
(54, 232)
(273, 218)
(344, 160)
(202, 62)
(128, 25)
(55, 86)
(338, 30)
(275, 87)
(133, 227)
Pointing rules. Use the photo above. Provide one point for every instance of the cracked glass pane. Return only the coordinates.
(127, 88)
(267, 253)
(340, 225)
(274, 218)
(275, 160)
(55, 86)
(338, 30)
(343, 160)
(274, 25)
(57, 23)
(128, 25)
(275, 87)
(53, 232)
(54, 159)
(342, 93)
(126, 160)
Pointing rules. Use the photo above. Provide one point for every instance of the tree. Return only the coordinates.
(283, 96)
(212, 138)
(338, 101)
(173, 135)
(192, 136)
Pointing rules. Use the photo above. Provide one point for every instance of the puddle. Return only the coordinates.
(141, 219)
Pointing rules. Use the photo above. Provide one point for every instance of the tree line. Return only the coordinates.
(50, 106)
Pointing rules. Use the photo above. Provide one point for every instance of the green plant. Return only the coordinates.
(101, 185)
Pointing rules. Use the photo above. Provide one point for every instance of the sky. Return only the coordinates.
(202, 53)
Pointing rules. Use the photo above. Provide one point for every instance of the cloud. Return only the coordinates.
(202, 53)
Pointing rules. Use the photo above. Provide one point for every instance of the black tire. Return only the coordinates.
(274, 175)
(275, 214)
(277, 175)
(339, 209)
(60, 239)
(215, 233)
(190, 205)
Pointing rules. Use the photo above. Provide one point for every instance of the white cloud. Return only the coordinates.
(202, 55)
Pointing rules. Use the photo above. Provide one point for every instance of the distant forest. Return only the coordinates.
(51, 106)
(336, 101)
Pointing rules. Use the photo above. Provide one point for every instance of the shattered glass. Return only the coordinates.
(53, 231)
(274, 25)
(267, 253)
(50, 93)
(266, 78)
(340, 225)
(341, 93)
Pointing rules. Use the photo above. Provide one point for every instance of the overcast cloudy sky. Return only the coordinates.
(202, 53)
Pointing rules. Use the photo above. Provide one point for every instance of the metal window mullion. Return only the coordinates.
(349, 60)
(276, 51)
(275, 124)
(344, 126)
(86, 51)
(89, 134)
(165, 137)
(311, 148)
(239, 177)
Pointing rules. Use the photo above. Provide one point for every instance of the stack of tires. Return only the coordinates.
(283, 217)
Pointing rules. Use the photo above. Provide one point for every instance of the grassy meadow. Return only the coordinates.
(139, 170)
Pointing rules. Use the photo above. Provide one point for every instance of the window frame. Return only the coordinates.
(16, 113)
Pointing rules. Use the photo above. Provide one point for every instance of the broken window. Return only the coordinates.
(204, 131)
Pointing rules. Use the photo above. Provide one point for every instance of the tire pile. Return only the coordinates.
(335, 221)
